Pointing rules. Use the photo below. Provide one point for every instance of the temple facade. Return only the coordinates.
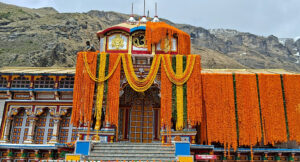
(147, 88)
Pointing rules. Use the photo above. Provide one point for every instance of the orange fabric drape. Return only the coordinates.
(158, 31)
(292, 97)
(166, 99)
(194, 94)
(84, 88)
(220, 110)
(113, 91)
(248, 109)
(272, 108)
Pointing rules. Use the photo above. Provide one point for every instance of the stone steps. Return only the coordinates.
(132, 152)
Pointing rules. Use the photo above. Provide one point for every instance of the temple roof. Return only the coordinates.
(63, 70)
(123, 26)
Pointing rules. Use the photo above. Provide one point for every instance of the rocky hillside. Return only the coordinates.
(44, 37)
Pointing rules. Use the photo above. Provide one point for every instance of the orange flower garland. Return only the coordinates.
(292, 93)
(113, 91)
(83, 90)
(220, 110)
(140, 85)
(194, 94)
(248, 109)
(166, 100)
(272, 108)
(157, 32)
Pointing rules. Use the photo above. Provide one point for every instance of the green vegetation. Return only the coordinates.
(5, 15)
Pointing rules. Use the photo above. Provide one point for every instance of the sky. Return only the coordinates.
(262, 17)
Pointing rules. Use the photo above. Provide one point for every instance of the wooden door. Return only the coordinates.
(141, 122)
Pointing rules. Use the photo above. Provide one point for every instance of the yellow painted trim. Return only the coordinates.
(5, 76)
(185, 159)
(28, 77)
(130, 45)
(61, 77)
(36, 77)
(53, 77)
(13, 77)
(72, 157)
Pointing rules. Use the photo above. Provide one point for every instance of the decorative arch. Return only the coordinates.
(20, 125)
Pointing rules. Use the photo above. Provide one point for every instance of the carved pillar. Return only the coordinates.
(6, 134)
(32, 124)
(54, 138)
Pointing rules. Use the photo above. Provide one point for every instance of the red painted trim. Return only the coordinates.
(113, 28)
(141, 52)
(162, 52)
(118, 51)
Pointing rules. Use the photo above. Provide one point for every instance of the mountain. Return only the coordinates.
(45, 37)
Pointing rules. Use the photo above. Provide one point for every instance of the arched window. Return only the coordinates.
(20, 82)
(67, 82)
(20, 127)
(3, 82)
(44, 82)
(67, 132)
(44, 128)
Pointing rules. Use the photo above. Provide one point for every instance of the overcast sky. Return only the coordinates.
(262, 17)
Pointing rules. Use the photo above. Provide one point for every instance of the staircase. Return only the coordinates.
(132, 152)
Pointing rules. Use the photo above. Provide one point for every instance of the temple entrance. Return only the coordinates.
(141, 122)
(139, 117)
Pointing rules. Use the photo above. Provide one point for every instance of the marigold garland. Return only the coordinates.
(140, 85)
(292, 93)
(178, 79)
(113, 91)
(220, 110)
(83, 90)
(166, 99)
(158, 32)
(272, 108)
(248, 109)
(100, 91)
(93, 77)
(179, 94)
(194, 94)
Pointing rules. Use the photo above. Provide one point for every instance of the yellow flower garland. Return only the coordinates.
(106, 77)
(179, 93)
(100, 90)
(179, 79)
(131, 77)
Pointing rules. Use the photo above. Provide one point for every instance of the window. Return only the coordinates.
(44, 82)
(44, 128)
(67, 132)
(20, 127)
(66, 82)
(3, 82)
(20, 82)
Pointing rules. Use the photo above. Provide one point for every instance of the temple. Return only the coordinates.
(144, 88)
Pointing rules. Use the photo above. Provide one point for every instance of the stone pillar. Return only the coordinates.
(55, 133)
(6, 134)
(32, 124)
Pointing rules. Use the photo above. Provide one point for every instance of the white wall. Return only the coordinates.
(2, 103)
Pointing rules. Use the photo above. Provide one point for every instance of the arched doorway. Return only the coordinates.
(139, 115)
